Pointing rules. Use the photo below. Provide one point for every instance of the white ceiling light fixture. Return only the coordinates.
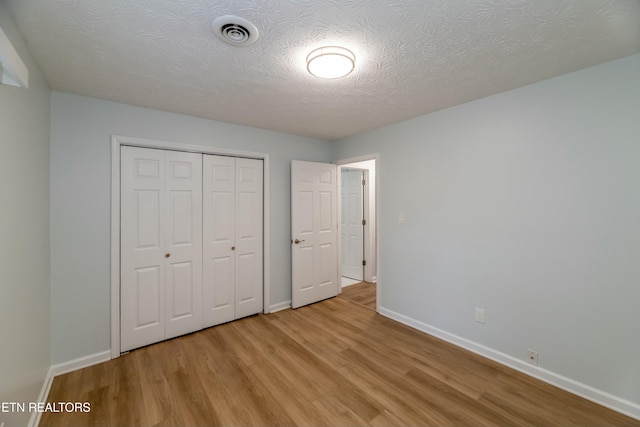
(235, 30)
(331, 62)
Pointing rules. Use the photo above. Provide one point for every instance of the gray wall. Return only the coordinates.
(24, 234)
(526, 204)
(81, 130)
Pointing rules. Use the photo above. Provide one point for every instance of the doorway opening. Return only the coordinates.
(353, 223)
(358, 261)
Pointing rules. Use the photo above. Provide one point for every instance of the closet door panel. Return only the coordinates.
(248, 293)
(249, 229)
(218, 297)
(183, 247)
(142, 242)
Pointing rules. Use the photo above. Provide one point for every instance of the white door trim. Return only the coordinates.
(116, 143)
(378, 203)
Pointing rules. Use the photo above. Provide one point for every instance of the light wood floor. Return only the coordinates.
(334, 363)
(362, 293)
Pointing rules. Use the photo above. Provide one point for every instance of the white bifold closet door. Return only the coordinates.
(161, 245)
(191, 242)
(232, 229)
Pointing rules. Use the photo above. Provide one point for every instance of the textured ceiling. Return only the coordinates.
(413, 56)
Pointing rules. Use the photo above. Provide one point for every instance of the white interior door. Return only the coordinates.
(314, 232)
(161, 246)
(352, 215)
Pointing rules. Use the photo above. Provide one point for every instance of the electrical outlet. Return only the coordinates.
(479, 315)
(532, 356)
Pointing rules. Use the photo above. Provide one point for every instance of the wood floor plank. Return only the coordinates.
(230, 392)
(156, 361)
(397, 402)
(334, 363)
(191, 400)
(462, 405)
(297, 405)
(386, 419)
(159, 403)
(362, 293)
(340, 413)
(326, 344)
(517, 394)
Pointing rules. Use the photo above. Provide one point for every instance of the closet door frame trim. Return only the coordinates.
(116, 143)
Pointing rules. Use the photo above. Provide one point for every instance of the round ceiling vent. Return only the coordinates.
(235, 30)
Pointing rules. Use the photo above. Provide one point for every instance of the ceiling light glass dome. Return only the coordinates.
(331, 62)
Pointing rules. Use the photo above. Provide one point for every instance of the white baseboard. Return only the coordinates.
(34, 420)
(280, 306)
(63, 368)
(82, 362)
(585, 391)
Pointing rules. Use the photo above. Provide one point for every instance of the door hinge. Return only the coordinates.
(364, 262)
(364, 222)
(364, 182)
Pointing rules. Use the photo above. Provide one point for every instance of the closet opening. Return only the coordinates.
(189, 239)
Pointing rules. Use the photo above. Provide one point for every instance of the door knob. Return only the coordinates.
(297, 241)
(233, 248)
(167, 255)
